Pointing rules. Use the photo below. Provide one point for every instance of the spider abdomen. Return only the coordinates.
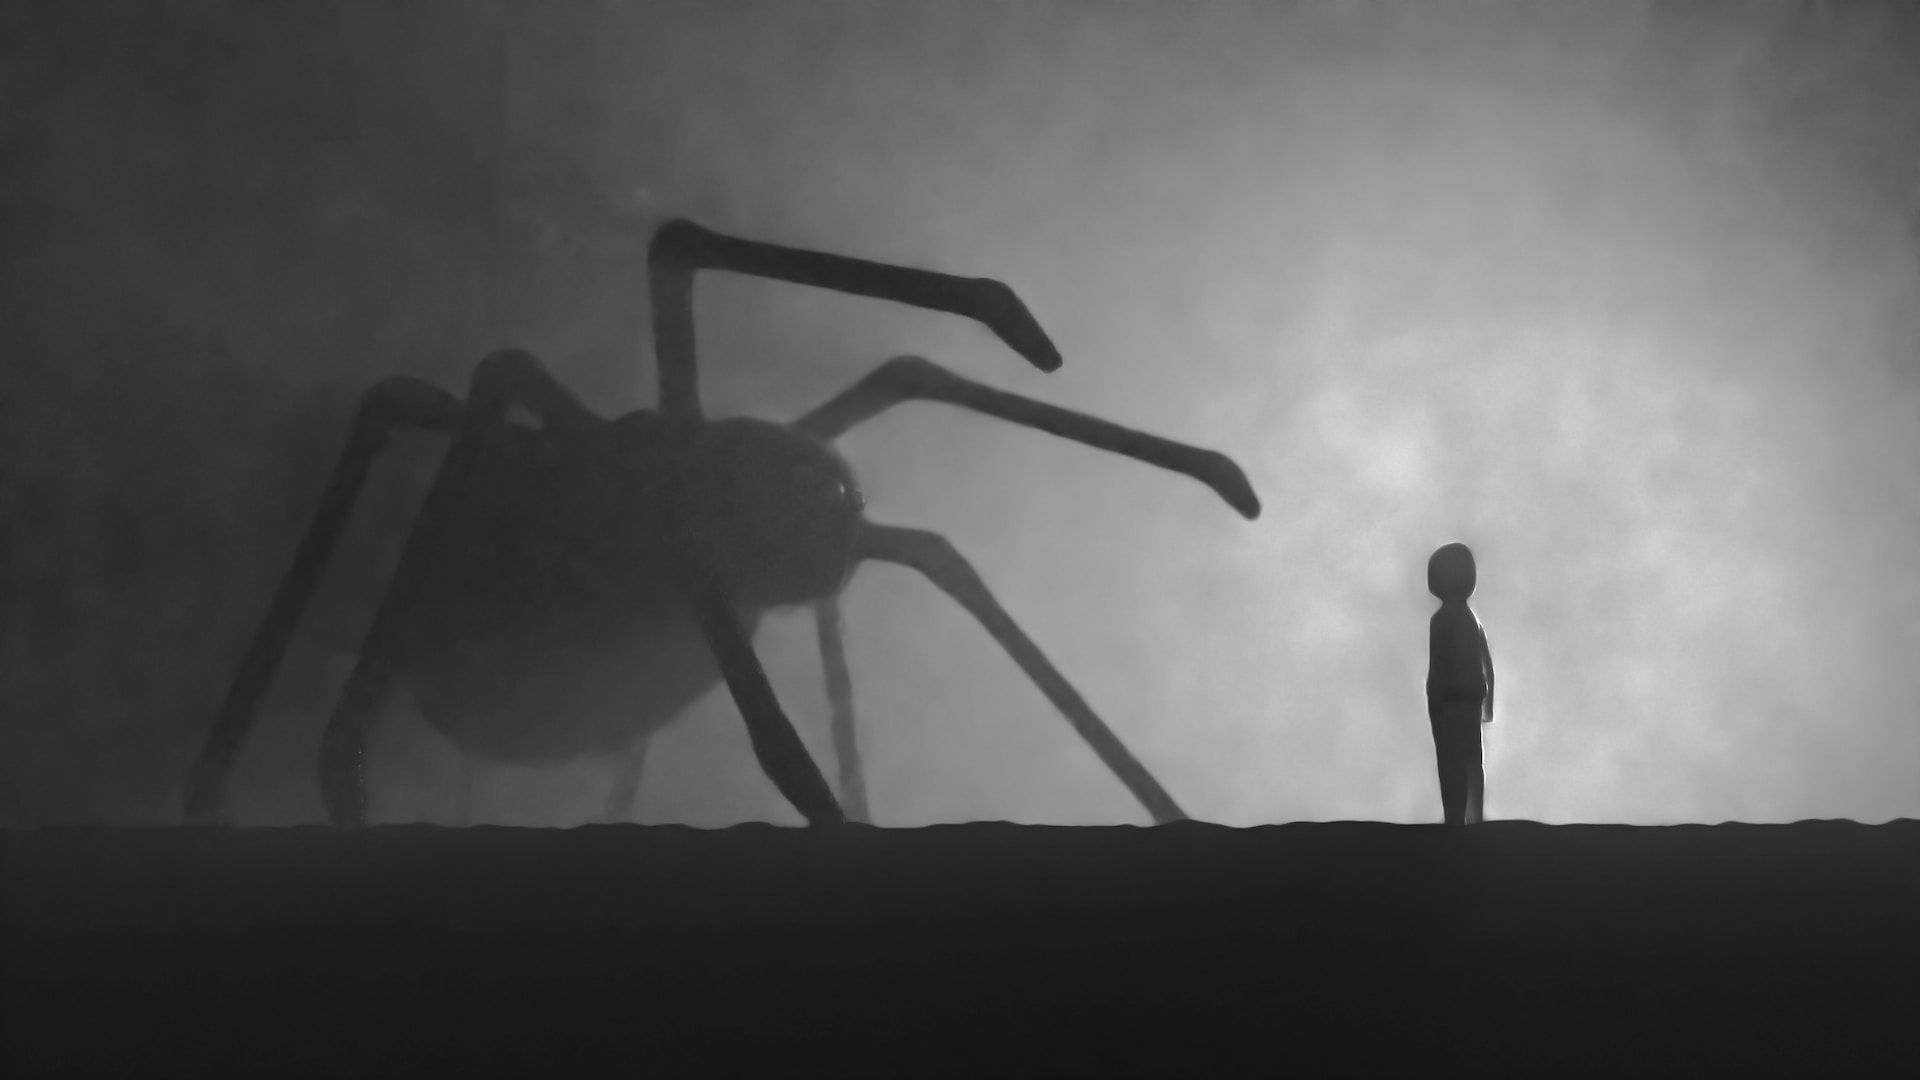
(541, 618)
(539, 695)
(541, 613)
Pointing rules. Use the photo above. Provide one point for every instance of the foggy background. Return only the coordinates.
(1621, 295)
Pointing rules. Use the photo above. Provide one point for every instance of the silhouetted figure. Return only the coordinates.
(1459, 685)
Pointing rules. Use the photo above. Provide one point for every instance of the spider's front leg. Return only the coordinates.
(777, 746)
(846, 746)
(680, 248)
(933, 556)
(911, 378)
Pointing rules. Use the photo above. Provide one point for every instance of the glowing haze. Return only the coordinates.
(1623, 296)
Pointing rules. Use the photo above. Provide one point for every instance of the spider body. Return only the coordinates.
(544, 622)
(573, 583)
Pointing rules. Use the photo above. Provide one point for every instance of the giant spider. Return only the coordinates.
(572, 584)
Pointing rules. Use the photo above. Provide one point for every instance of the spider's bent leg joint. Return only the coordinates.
(508, 377)
(1002, 311)
(401, 401)
(910, 375)
(676, 244)
(1224, 475)
(902, 378)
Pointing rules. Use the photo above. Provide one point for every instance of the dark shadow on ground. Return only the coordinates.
(967, 950)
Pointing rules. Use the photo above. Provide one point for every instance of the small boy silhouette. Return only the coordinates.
(1459, 685)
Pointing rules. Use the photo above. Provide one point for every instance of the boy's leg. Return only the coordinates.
(1453, 793)
(1456, 745)
(1477, 780)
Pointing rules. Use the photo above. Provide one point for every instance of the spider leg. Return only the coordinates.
(777, 746)
(626, 782)
(680, 248)
(910, 378)
(932, 555)
(508, 377)
(502, 379)
(397, 402)
(833, 657)
(343, 758)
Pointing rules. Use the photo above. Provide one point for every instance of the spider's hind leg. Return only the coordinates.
(392, 403)
(626, 783)
(776, 745)
(343, 757)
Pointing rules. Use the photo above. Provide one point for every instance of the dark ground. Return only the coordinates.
(965, 950)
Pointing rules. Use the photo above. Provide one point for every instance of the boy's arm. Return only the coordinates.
(1436, 662)
(1486, 660)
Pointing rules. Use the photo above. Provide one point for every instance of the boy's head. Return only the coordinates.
(1450, 572)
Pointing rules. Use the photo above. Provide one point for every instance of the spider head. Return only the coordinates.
(776, 513)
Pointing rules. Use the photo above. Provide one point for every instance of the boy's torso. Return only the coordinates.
(1455, 669)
